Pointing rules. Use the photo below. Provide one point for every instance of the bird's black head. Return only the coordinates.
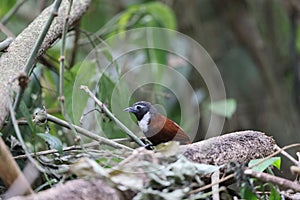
(139, 109)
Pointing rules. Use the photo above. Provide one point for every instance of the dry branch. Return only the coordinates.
(78, 190)
(239, 146)
(13, 61)
(282, 182)
(9, 170)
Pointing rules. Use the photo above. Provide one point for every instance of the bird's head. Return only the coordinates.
(139, 109)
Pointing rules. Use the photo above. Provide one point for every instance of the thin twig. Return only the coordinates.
(52, 151)
(70, 148)
(86, 132)
(42, 35)
(282, 182)
(61, 73)
(18, 133)
(275, 153)
(75, 45)
(111, 116)
(6, 31)
(214, 178)
(297, 163)
(232, 175)
(212, 184)
(21, 122)
(62, 58)
(5, 43)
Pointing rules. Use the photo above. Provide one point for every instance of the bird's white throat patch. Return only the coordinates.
(143, 123)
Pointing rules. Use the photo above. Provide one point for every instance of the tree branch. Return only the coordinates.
(13, 61)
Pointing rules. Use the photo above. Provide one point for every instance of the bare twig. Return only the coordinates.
(42, 35)
(287, 184)
(212, 184)
(52, 151)
(70, 148)
(214, 178)
(45, 116)
(297, 163)
(275, 153)
(75, 45)
(18, 132)
(62, 59)
(19, 187)
(4, 44)
(20, 122)
(111, 116)
(62, 70)
(14, 59)
(232, 175)
(9, 170)
(6, 31)
(295, 170)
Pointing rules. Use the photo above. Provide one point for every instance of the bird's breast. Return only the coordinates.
(144, 122)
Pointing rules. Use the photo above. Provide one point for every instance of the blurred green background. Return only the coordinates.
(254, 44)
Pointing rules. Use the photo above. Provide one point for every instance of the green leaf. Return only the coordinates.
(162, 13)
(275, 161)
(246, 193)
(6, 6)
(84, 73)
(224, 108)
(274, 195)
(153, 14)
(53, 141)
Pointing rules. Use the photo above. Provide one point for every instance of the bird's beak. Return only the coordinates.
(129, 109)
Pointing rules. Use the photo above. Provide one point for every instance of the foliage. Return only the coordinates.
(100, 64)
(173, 177)
(224, 107)
(53, 141)
(275, 161)
(250, 192)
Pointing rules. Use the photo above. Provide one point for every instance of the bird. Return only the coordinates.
(156, 127)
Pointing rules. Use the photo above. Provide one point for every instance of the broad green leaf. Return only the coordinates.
(53, 141)
(224, 108)
(153, 14)
(124, 20)
(275, 161)
(274, 195)
(162, 13)
(246, 193)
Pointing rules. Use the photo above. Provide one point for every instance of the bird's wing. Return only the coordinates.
(164, 130)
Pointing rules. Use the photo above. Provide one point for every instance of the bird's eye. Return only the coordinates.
(138, 107)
